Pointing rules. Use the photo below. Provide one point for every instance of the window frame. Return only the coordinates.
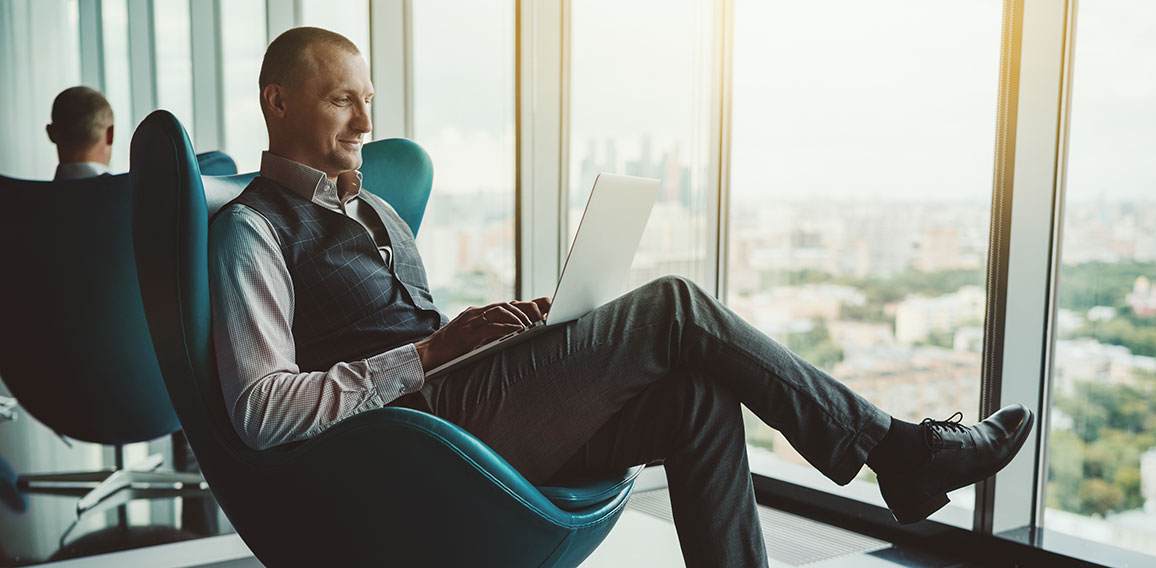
(1028, 178)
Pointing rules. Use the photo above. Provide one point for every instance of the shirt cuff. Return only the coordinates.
(396, 372)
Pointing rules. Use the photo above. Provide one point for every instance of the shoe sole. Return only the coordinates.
(927, 507)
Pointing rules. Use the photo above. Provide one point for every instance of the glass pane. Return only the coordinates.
(1102, 454)
(174, 61)
(349, 18)
(39, 58)
(242, 48)
(639, 106)
(463, 71)
(117, 89)
(860, 194)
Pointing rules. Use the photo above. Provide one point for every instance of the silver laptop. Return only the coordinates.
(598, 262)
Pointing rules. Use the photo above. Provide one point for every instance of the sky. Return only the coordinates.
(893, 99)
(1112, 147)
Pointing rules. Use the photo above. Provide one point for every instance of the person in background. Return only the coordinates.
(82, 129)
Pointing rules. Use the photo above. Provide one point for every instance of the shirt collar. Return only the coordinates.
(311, 183)
(79, 170)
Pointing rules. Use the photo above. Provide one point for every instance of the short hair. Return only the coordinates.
(79, 117)
(286, 59)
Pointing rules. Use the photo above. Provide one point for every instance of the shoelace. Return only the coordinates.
(953, 422)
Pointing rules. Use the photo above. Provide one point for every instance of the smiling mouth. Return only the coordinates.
(354, 143)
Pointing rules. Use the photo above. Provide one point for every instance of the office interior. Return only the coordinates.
(946, 205)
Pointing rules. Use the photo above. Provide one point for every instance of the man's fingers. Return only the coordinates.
(530, 309)
(517, 314)
(505, 313)
(522, 317)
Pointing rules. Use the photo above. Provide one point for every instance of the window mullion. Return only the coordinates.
(91, 44)
(1022, 252)
(721, 156)
(541, 112)
(281, 15)
(142, 59)
(391, 47)
(208, 112)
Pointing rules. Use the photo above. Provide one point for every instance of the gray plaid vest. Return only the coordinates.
(349, 304)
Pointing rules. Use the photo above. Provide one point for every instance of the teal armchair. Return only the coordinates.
(76, 352)
(387, 487)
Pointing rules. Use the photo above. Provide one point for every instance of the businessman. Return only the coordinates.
(321, 310)
(82, 129)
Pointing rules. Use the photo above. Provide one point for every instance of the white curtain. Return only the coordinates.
(39, 57)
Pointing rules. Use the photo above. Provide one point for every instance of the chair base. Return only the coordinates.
(141, 477)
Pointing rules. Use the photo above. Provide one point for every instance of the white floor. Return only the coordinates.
(640, 541)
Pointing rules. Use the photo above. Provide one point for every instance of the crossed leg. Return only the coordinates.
(658, 374)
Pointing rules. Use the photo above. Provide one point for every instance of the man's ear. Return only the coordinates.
(51, 132)
(273, 99)
(108, 135)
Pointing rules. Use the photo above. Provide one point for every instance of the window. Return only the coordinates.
(1102, 452)
(862, 138)
(39, 57)
(117, 88)
(243, 45)
(639, 105)
(174, 61)
(349, 18)
(463, 115)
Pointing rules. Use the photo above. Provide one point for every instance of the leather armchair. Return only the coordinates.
(76, 352)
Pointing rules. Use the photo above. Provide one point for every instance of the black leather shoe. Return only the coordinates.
(960, 455)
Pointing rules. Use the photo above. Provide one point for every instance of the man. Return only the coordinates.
(81, 128)
(321, 310)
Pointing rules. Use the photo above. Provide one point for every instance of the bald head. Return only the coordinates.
(292, 57)
(81, 125)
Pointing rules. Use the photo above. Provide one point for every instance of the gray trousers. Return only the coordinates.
(658, 374)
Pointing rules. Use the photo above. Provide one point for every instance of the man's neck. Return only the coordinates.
(288, 155)
(94, 155)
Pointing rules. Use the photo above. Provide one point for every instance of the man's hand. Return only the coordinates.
(476, 326)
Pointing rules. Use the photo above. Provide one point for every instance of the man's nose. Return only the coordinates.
(361, 120)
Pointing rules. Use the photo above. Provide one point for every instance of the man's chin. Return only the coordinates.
(348, 161)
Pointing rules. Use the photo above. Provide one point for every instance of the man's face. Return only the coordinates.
(327, 115)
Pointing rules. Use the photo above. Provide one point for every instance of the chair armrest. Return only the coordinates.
(392, 438)
(402, 479)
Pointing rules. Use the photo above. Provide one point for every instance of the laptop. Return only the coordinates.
(598, 262)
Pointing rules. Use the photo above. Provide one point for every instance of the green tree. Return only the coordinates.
(868, 312)
(1098, 497)
(1139, 339)
(1094, 469)
(816, 346)
(939, 338)
(1090, 284)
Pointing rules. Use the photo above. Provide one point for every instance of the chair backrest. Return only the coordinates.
(173, 203)
(396, 170)
(400, 172)
(77, 352)
(216, 163)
